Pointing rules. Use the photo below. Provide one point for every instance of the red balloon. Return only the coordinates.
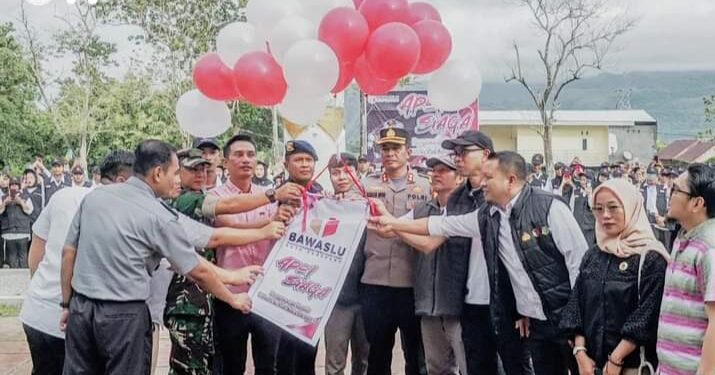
(368, 82)
(260, 79)
(345, 30)
(435, 43)
(347, 73)
(214, 79)
(393, 50)
(423, 11)
(380, 12)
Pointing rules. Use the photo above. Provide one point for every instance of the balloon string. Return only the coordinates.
(305, 200)
(371, 204)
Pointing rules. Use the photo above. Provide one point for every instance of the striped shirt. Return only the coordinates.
(689, 283)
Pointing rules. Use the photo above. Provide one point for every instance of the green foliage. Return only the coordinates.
(709, 108)
(24, 130)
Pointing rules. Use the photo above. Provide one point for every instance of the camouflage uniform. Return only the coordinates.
(189, 309)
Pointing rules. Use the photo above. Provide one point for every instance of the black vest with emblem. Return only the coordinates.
(440, 277)
(544, 263)
(15, 220)
(582, 210)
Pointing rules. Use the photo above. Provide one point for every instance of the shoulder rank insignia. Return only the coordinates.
(525, 237)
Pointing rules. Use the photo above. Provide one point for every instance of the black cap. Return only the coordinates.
(470, 138)
(666, 172)
(537, 159)
(586, 173)
(604, 164)
(77, 170)
(559, 165)
(394, 135)
(57, 162)
(299, 146)
(206, 142)
(362, 159)
(604, 173)
(337, 160)
(651, 172)
(96, 170)
(444, 160)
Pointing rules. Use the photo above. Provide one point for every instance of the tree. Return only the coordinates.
(576, 36)
(709, 108)
(25, 130)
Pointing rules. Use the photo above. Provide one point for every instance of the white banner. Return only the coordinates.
(305, 271)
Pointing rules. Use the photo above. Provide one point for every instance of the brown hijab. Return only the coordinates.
(637, 237)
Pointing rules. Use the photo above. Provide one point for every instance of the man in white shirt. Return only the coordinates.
(534, 237)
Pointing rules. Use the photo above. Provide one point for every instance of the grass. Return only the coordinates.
(7, 311)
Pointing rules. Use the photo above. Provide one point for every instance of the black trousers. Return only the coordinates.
(231, 330)
(482, 344)
(47, 352)
(385, 310)
(104, 337)
(16, 252)
(550, 351)
(295, 357)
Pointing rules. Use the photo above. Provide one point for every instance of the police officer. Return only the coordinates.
(387, 284)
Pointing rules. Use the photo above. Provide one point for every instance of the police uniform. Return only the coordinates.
(387, 295)
(188, 314)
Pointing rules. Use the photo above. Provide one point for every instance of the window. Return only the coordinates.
(584, 144)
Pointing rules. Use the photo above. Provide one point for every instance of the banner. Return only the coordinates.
(412, 111)
(305, 271)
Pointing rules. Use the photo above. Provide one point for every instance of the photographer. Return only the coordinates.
(15, 220)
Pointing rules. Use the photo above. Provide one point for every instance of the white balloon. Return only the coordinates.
(265, 13)
(288, 32)
(201, 116)
(38, 2)
(315, 10)
(311, 68)
(456, 85)
(303, 109)
(237, 39)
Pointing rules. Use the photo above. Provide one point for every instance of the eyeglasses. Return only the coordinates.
(459, 151)
(675, 189)
(611, 209)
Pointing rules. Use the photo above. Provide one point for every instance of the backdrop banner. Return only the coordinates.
(412, 111)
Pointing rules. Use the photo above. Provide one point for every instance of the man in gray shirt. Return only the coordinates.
(115, 241)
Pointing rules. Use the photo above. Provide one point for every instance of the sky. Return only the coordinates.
(670, 35)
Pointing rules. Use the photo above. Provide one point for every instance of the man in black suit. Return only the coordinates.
(655, 198)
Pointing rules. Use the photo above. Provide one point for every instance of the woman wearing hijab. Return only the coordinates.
(259, 175)
(612, 316)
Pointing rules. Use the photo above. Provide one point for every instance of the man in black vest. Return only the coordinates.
(538, 177)
(533, 238)
(16, 222)
(655, 199)
(580, 204)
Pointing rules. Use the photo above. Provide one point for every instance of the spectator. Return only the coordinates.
(32, 189)
(259, 176)
(686, 330)
(56, 181)
(561, 182)
(655, 199)
(78, 179)
(626, 268)
(96, 177)
(538, 177)
(211, 151)
(603, 176)
(4, 184)
(16, 221)
(363, 168)
(580, 204)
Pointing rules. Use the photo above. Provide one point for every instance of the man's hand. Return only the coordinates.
(285, 213)
(18, 200)
(384, 231)
(289, 192)
(274, 230)
(64, 317)
(523, 326)
(586, 365)
(660, 220)
(245, 275)
(242, 302)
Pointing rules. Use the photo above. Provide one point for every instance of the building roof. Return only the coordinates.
(568, 118)
(687, 150)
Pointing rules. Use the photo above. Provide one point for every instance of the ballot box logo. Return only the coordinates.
(324, 228)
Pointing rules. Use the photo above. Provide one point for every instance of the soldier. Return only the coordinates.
(189, 309)
(387, 298)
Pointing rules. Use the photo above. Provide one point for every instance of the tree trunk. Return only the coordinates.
(548, 150)
(83, 151)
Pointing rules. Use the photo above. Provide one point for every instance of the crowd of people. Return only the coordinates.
(484, 263)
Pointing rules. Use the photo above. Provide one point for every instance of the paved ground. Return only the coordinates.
(15, 356)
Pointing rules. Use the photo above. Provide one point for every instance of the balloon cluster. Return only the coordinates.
(294, 53)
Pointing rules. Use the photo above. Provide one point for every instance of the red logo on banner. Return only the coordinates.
(330, 227)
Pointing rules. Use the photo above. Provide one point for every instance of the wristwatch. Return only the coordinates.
(271, 195)
(65, 305)
(577, 349)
